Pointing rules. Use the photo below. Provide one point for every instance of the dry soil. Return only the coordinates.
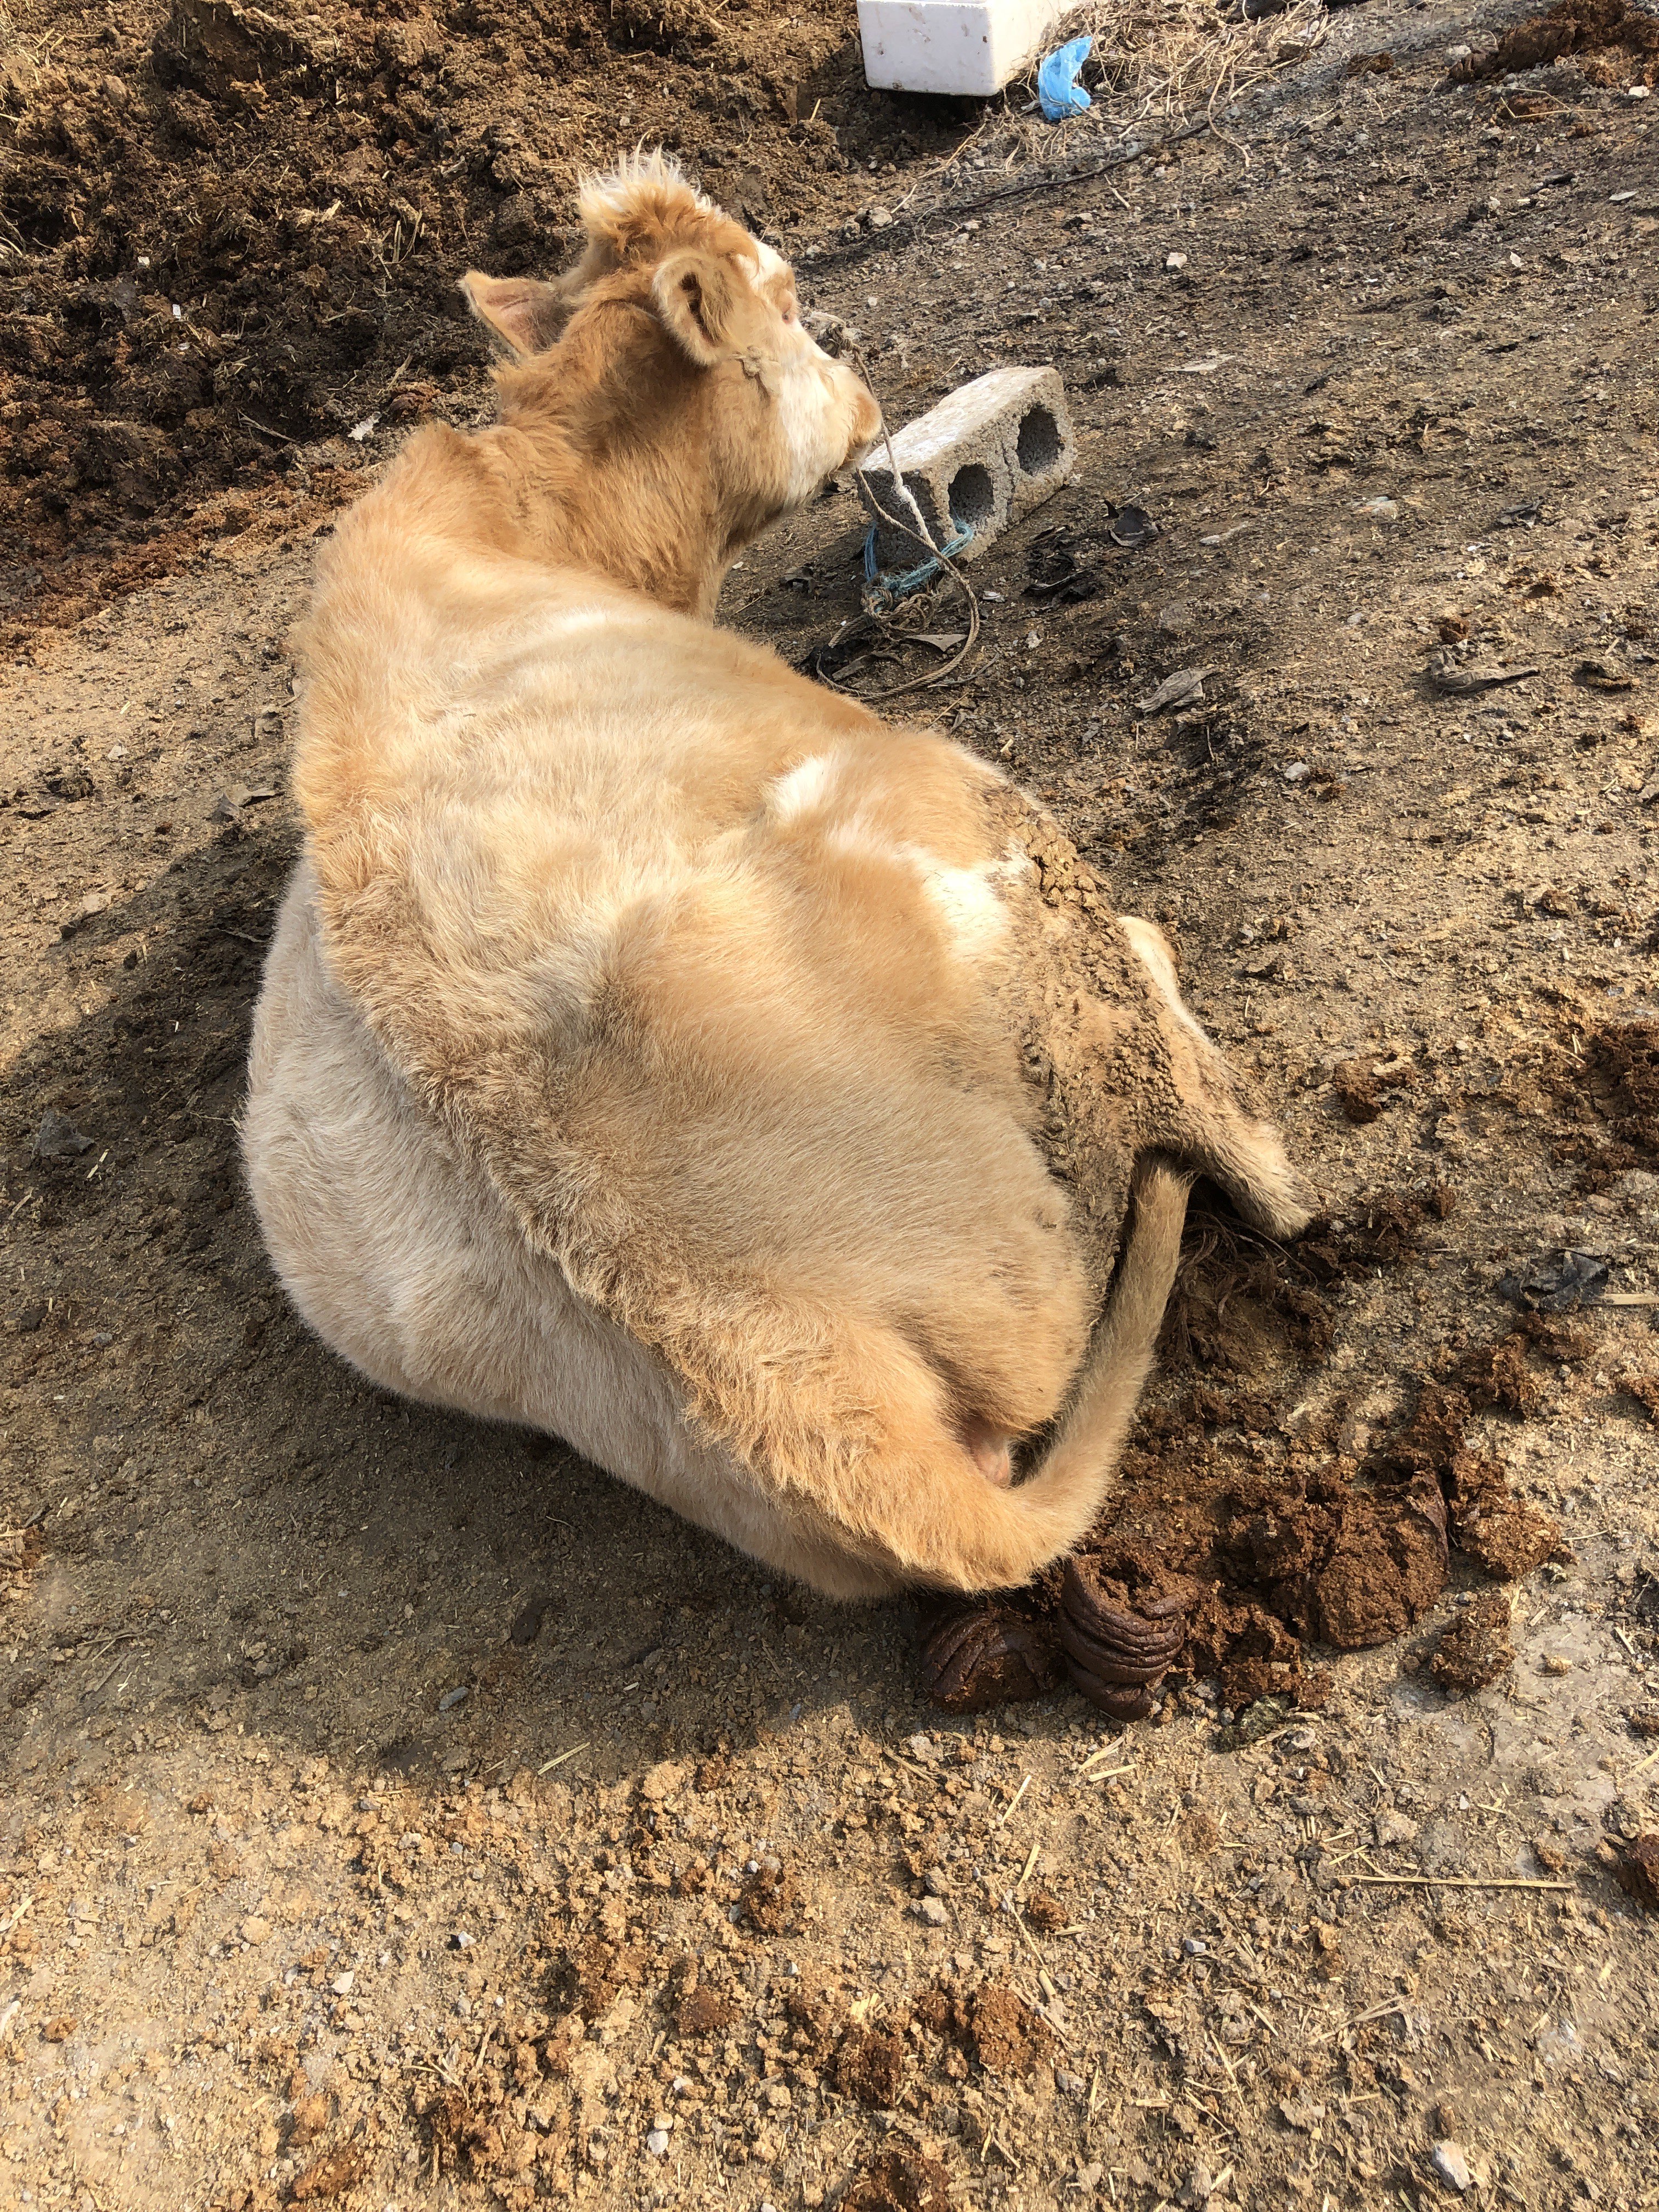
(396, 1812)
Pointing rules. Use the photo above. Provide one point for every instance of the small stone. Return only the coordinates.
(1451, 2164)
(462, 1940)
(450, 1699)
(1440, 1848)
(1068, 2084)
(933, 1910)
(528, 1621)
(1176, 261)
(935, 1882)
(342, 1984)
(880, 217)
(58, 1138)
(254, 1929)
(1302, 2113)
(1091, 2176)
(1391, 1828)
(657, 2143)
(922, 1747)
(659, 1782)
(1297, 772)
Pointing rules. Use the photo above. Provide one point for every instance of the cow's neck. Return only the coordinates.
(667, 539)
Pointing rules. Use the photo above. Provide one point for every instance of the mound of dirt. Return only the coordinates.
(870, 2066)
(771, 1898)
(1363, 1086)
(900, 2180)
(1638, 1871)
(992, 2025)
(230, 236)
(1606, 1085)
(1613, 42)
(1476, 1649)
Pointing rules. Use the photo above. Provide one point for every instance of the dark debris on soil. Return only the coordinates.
(1638, 1871)
(1606, 1086)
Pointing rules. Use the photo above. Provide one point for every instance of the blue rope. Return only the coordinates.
(889, 589)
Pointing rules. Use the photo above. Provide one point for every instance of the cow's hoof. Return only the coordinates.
(1115, 1656)
(988, 1655)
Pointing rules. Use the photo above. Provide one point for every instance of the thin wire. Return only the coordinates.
(873, 616)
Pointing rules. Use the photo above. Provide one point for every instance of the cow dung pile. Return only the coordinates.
(1241, 1539)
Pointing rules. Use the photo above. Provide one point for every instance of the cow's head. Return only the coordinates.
(674, 347)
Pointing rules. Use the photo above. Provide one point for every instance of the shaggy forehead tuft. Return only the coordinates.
(638, 182)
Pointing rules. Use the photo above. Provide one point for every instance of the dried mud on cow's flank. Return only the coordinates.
(230, 236)
(1237, 1538)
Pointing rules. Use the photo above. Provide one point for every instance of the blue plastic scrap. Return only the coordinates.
(1058, 90)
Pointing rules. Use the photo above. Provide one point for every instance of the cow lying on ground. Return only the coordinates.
(657, 1048)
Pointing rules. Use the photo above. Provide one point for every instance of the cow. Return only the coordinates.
(659, 1049)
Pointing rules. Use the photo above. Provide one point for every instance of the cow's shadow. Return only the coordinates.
(307, 1558)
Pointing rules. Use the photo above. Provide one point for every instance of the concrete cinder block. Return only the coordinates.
(969, 47)
(985, 456)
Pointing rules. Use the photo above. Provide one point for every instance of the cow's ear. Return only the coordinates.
(527, 315)
(706, 304)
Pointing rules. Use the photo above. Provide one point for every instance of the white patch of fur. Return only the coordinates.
(970, 901)
(804, 788)
(1149, 942)
(811, 420)
(855, 837)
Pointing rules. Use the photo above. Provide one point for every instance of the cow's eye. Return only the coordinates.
(789, 315)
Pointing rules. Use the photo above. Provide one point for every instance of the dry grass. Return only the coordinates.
(1154, 68)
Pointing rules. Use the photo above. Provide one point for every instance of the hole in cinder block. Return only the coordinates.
(973, 497)
(1038, 447)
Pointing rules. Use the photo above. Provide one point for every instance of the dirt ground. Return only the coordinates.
(397, 1811)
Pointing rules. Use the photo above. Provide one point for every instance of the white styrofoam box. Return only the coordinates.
(966, 46)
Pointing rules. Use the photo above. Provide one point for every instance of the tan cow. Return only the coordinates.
(659, 1050)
